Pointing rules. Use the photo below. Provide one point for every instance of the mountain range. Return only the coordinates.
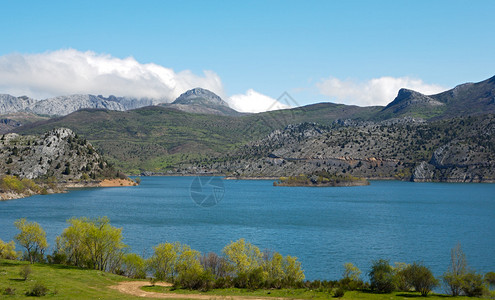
(199, 133)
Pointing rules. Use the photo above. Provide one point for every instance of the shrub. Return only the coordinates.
(400, 277)
(473, 285)
(203, 281)
(25, 272)
(490, 278)
(339, 293)
(9, 291)
(38, 290)
(255, 279)
(57, 258)
(382, 276)
(134, 266)
(421, 278)
(7, 250)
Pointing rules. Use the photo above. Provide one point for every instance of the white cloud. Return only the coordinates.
(254, 102)
(69, 71)
(377, 91)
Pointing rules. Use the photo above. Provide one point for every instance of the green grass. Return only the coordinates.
(301, 294)
(63, 282)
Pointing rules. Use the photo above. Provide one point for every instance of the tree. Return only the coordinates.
(421, 278)
(7, 250)
(93, 243)
(242, 256)
(71, 242)
(162, 262)
(188, 267)
(473, 284)
(457, 269)
(134, 266)
(273, 266)
(400, 277)
(32, 237)
(178, 263)
(381, 276)
(351, 272)
(292, 270)
(490, 278)
(215, 264)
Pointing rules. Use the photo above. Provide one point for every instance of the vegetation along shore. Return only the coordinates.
(241, 270)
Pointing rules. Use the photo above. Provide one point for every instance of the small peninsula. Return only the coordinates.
(321, 179)
(52, 162)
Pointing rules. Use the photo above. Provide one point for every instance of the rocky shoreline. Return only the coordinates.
(63, 187)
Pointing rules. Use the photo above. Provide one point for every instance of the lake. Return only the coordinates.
(323, 227)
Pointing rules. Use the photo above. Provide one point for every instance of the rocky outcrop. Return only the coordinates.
(59, 154)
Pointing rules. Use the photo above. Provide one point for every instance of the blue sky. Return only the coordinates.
(316, 50)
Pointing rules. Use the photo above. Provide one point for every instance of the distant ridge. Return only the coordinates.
(64, 105)
(464, 99)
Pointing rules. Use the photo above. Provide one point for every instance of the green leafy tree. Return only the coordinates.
(134, 266)
(93, 243)
(188, 267)
(473, 284)
(32, 237)
(292, 270)
(421, 278)
(242, 256)
(490, 278)
(71, 242)
(351, 272)
(273, 266)
(7, 250)
(163, 261)
(382, 276)
(400, 277)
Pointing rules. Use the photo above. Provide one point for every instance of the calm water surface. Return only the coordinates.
(323, 227)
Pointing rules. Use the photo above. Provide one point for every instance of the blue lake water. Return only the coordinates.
(323, 227)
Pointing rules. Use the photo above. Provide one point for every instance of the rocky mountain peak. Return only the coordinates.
(200, 96)
(407, 98)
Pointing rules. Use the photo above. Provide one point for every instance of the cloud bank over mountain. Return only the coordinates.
(69, 71)
(376, 91)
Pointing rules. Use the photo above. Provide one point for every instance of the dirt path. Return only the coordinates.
(134, 288)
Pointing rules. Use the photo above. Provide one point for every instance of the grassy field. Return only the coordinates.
(65, 282)
(303, 294)
(62, 282)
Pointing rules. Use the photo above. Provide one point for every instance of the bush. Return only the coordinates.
(38, 290)
(57, 258)
(490, 278)
(400, 277)
(339, 293)
(473, 285)
(382, 276)
(134, 266)
(421, 278)
(256, 279)
(25, 272)
(203, 281)
(9, 291)
(7, 250)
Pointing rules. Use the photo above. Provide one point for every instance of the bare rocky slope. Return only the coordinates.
(456, 150)
(54, 160)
